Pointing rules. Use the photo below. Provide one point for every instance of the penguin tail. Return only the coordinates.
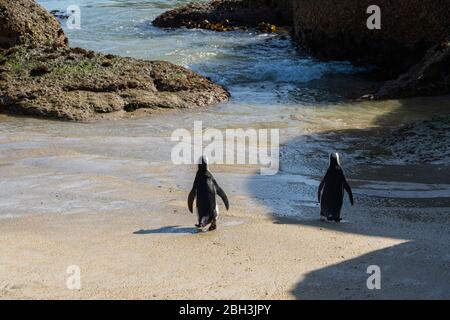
(205, 221)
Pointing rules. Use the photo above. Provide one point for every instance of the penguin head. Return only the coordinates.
(334, 159)
(203, 163)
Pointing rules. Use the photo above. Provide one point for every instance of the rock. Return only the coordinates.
(227, 13)
(429, 77)
(41, 76)
(76, 84)
(39, 70)
(267, 27)
(337, 30)
(24, 22)
(412, 143)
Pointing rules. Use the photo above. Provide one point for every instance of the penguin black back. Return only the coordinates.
(204, 190)
(333, 186)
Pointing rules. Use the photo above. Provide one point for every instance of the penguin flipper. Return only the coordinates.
(319, 191)
(224, 197)
(191, 198)
(349, 191)
(222, 194)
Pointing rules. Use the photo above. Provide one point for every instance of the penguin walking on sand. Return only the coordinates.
(333, 186)
(204, 189)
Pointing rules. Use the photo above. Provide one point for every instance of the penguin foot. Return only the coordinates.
(213, 226)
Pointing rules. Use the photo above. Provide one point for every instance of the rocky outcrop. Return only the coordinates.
(77, 84)
(338, 30)
(333, 30)
(24, 22)
(229, 13)
(41, 76)
(411, 45)
(431, 76)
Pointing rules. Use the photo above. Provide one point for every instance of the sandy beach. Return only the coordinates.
(157, 254)
(106, 198)
(96, 207)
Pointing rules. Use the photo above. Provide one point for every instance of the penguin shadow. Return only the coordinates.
(168, 230)
(416, 268)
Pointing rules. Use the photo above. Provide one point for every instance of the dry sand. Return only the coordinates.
(159, 255)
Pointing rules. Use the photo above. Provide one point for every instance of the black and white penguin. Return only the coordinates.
(333, 185)
(204, 189)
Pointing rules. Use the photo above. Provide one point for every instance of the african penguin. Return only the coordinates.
(333, 185)
(204, 189)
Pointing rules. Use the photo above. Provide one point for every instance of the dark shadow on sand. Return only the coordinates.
(168, 229)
